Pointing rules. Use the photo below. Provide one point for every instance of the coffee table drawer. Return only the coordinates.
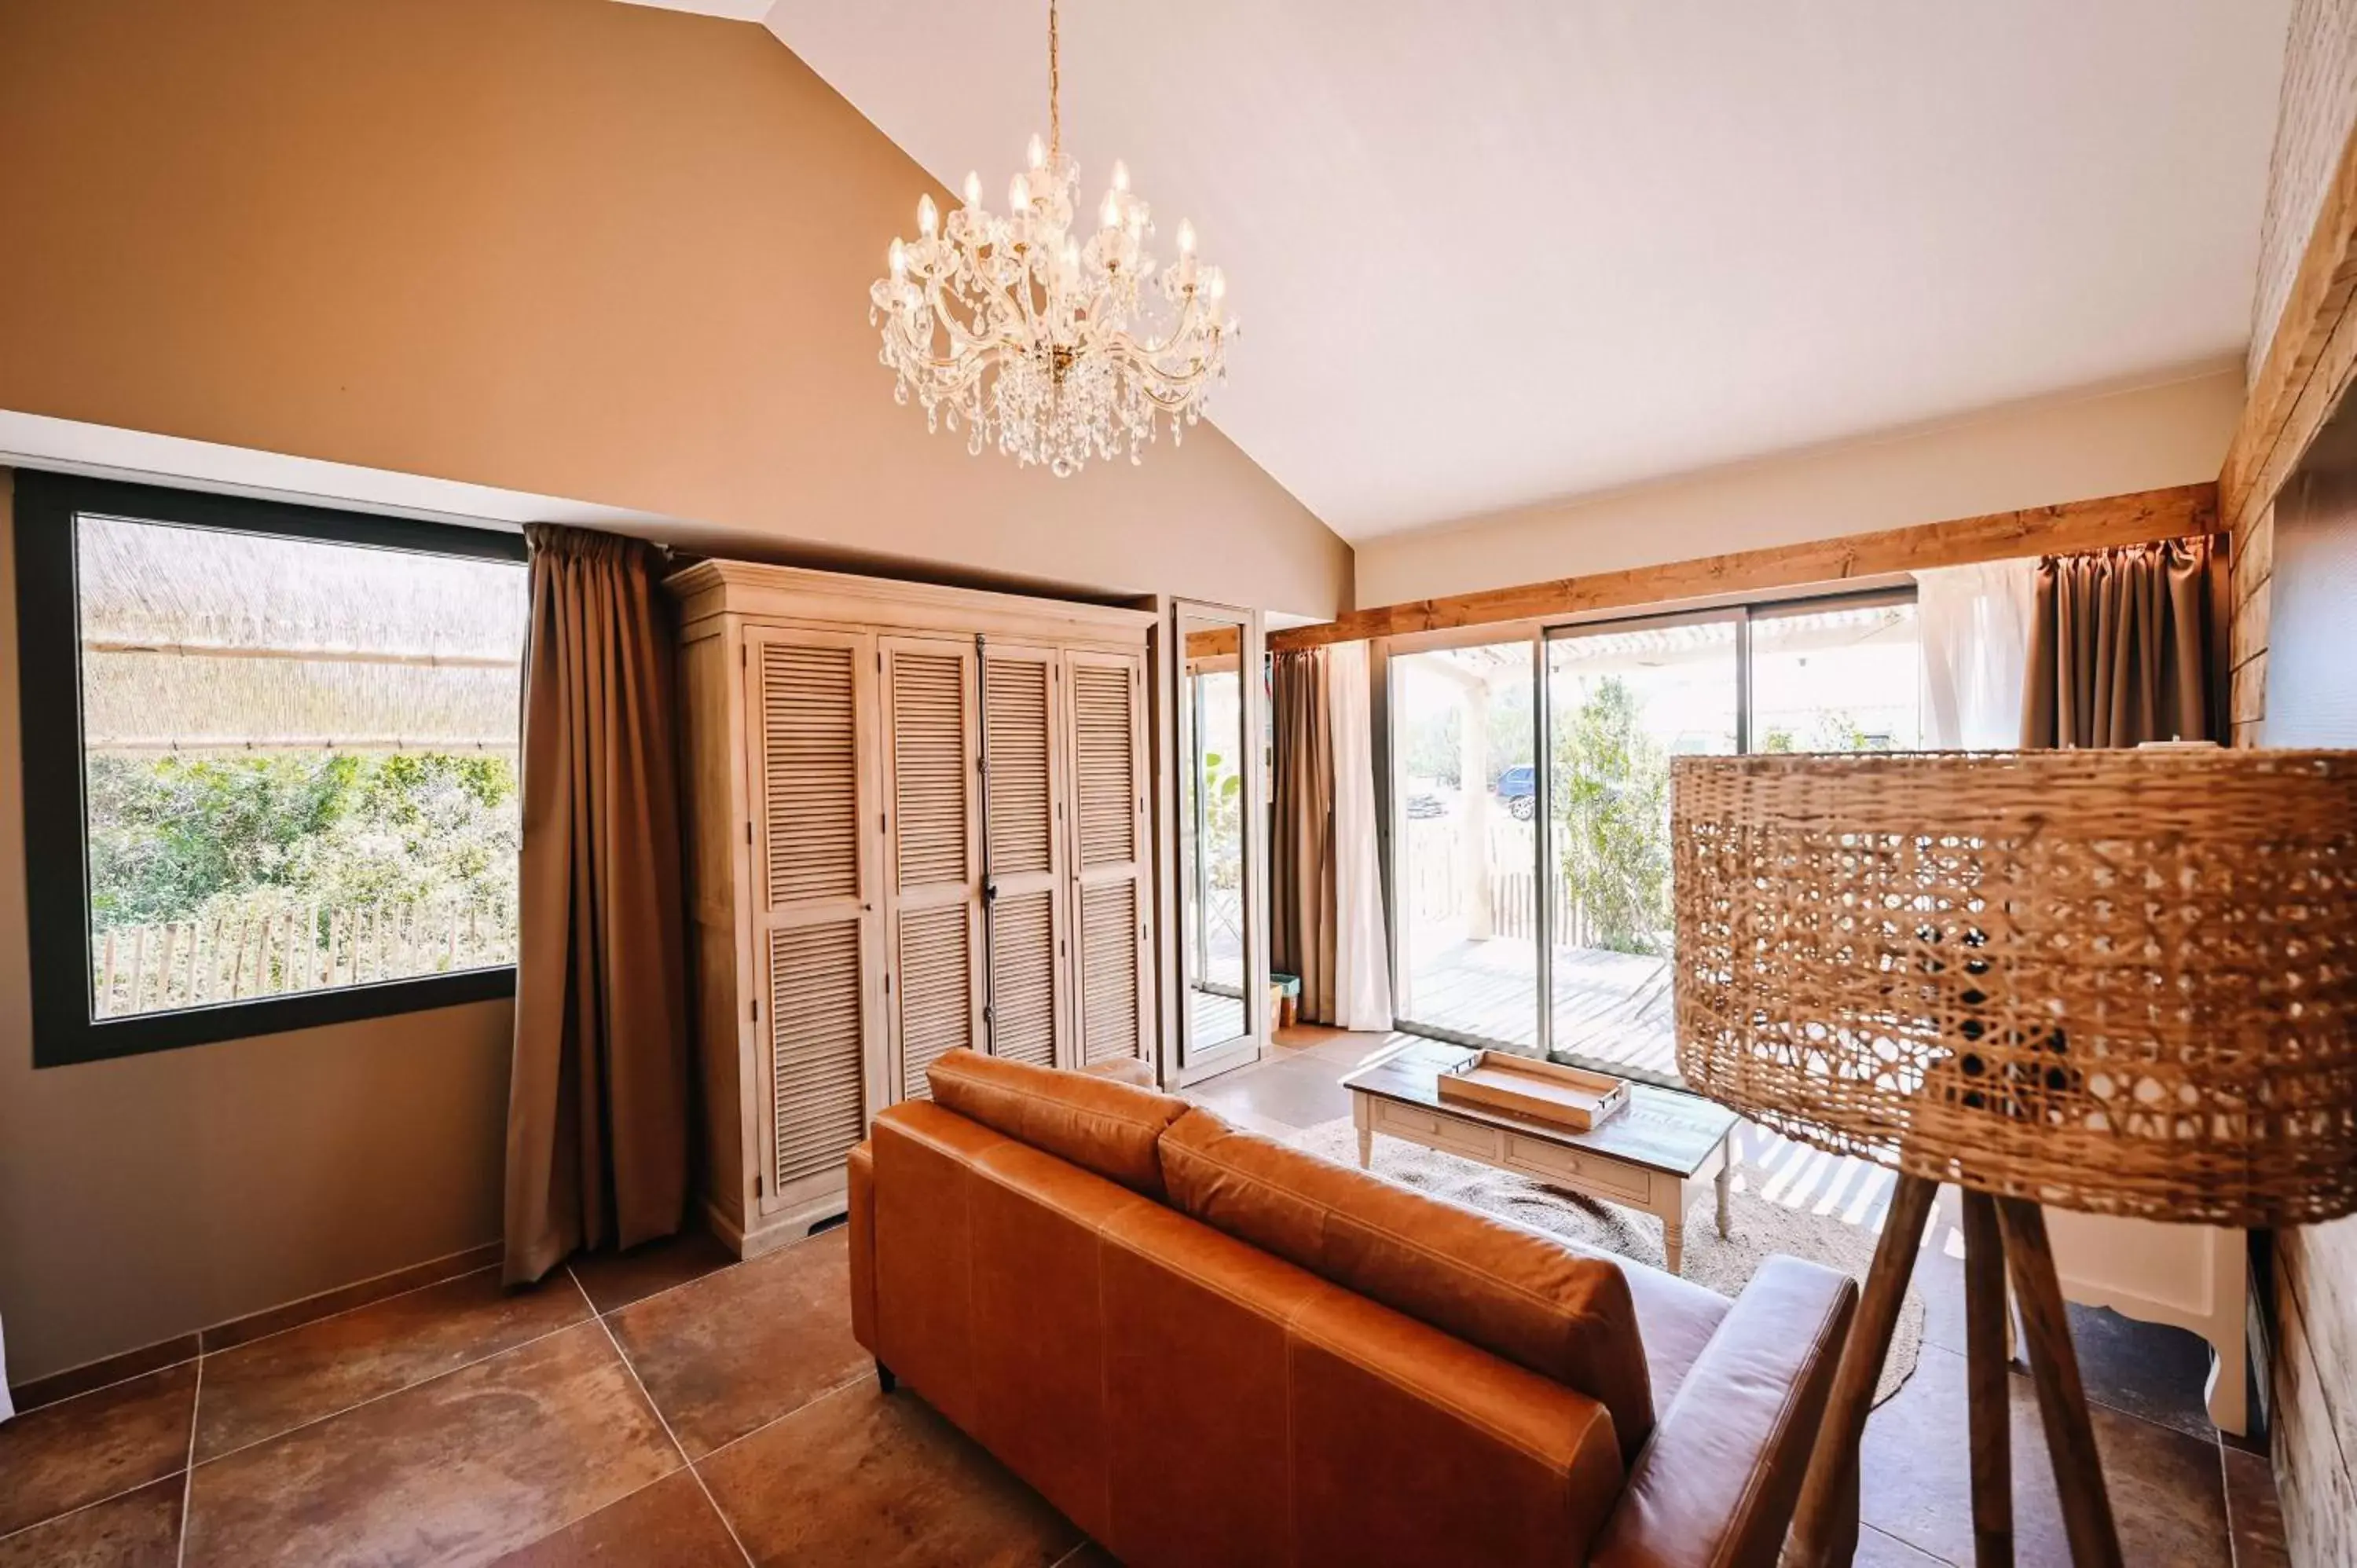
(1468, 1138)
(1533, 1157)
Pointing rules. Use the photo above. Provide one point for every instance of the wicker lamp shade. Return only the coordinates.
(2120, 982)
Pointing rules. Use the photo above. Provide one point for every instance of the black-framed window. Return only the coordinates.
(270, 764)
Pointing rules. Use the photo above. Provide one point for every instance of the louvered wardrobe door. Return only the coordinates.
(809, 707)
(934, 884)
(1105, 695)
(1024, 898)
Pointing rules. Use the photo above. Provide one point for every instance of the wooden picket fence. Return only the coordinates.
(273, 952)
(1438, 878)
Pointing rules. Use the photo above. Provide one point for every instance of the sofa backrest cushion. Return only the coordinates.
(1516, 1294)
(1096, 1123)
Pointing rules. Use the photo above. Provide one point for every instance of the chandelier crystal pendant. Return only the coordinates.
(1057, 346)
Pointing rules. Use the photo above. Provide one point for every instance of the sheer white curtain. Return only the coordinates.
(1973, 625)
(1362, 980)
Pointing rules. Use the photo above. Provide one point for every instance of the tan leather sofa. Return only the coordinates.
(1208, 1348)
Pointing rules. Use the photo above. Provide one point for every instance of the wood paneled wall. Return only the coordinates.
(2304, 358)
(2295, 624)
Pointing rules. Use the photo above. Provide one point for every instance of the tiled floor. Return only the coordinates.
(667, 1408)
(674, 1409)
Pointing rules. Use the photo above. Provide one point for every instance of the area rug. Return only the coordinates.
(1760, 1227)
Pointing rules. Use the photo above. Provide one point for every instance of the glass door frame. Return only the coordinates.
(1390, 758)
(1186, 1064)
(1737, 616)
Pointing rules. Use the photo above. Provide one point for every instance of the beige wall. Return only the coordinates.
(558, 246)
(2030, 456)
(146, 1197)
(563, 246)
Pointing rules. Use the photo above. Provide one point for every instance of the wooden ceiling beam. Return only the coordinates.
(2133, 519)
(2309, 359)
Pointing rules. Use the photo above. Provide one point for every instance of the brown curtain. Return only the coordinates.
(597, 1100)
(2126, 645)
(1301, 836)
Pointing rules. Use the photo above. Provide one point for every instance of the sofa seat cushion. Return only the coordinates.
(1097, 1123)
(1563, 1314)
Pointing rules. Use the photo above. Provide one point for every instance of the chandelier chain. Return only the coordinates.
(1055, 89)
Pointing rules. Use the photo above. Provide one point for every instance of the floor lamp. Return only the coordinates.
(2120, 982)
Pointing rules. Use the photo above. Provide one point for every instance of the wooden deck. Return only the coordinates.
(1610, 1008)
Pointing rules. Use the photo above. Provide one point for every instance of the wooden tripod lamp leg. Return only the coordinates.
(1985, 1380)
(1810, 1545)
(2062, 1399)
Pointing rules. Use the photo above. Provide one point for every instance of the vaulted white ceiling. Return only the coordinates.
(1490, 252)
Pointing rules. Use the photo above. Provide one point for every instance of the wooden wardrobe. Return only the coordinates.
(916, 822)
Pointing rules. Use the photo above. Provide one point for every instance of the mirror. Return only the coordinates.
(1214, 891)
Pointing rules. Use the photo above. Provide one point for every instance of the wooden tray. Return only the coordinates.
(1543, 1091)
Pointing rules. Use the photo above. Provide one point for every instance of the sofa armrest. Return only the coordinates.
(861, 1223)
(1715, 1485)
(1408, 1445)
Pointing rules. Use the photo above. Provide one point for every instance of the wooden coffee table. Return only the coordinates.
(1657, 1155)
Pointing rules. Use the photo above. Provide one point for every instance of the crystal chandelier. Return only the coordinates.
(1051, 343)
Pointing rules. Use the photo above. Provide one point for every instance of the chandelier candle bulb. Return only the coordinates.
(1052, 348)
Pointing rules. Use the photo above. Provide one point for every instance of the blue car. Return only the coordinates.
(1519, 788)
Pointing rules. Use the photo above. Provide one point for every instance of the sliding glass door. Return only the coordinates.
(1844, 676)
(1531, 800)
(1464, 823)
(1622, 700)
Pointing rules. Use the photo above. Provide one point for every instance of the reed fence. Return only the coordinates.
(275, 951)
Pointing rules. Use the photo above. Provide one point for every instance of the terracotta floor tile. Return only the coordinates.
(457, 1470)
(93, 1445)
(737, 1349)
(2166, 1495)
(861, 1477)
(2254, 1512)
(1347, 1051)
(2151, 1369)
(1297, 1091)
(1940, 1281)
(671, 1524)
(65, 1385)
(137, 1529)
(614, 1280)
(327, 1303)
(1875, 1549)
(274, 1385)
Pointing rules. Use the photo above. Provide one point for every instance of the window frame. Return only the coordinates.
(1540, 631)
(49, 689)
